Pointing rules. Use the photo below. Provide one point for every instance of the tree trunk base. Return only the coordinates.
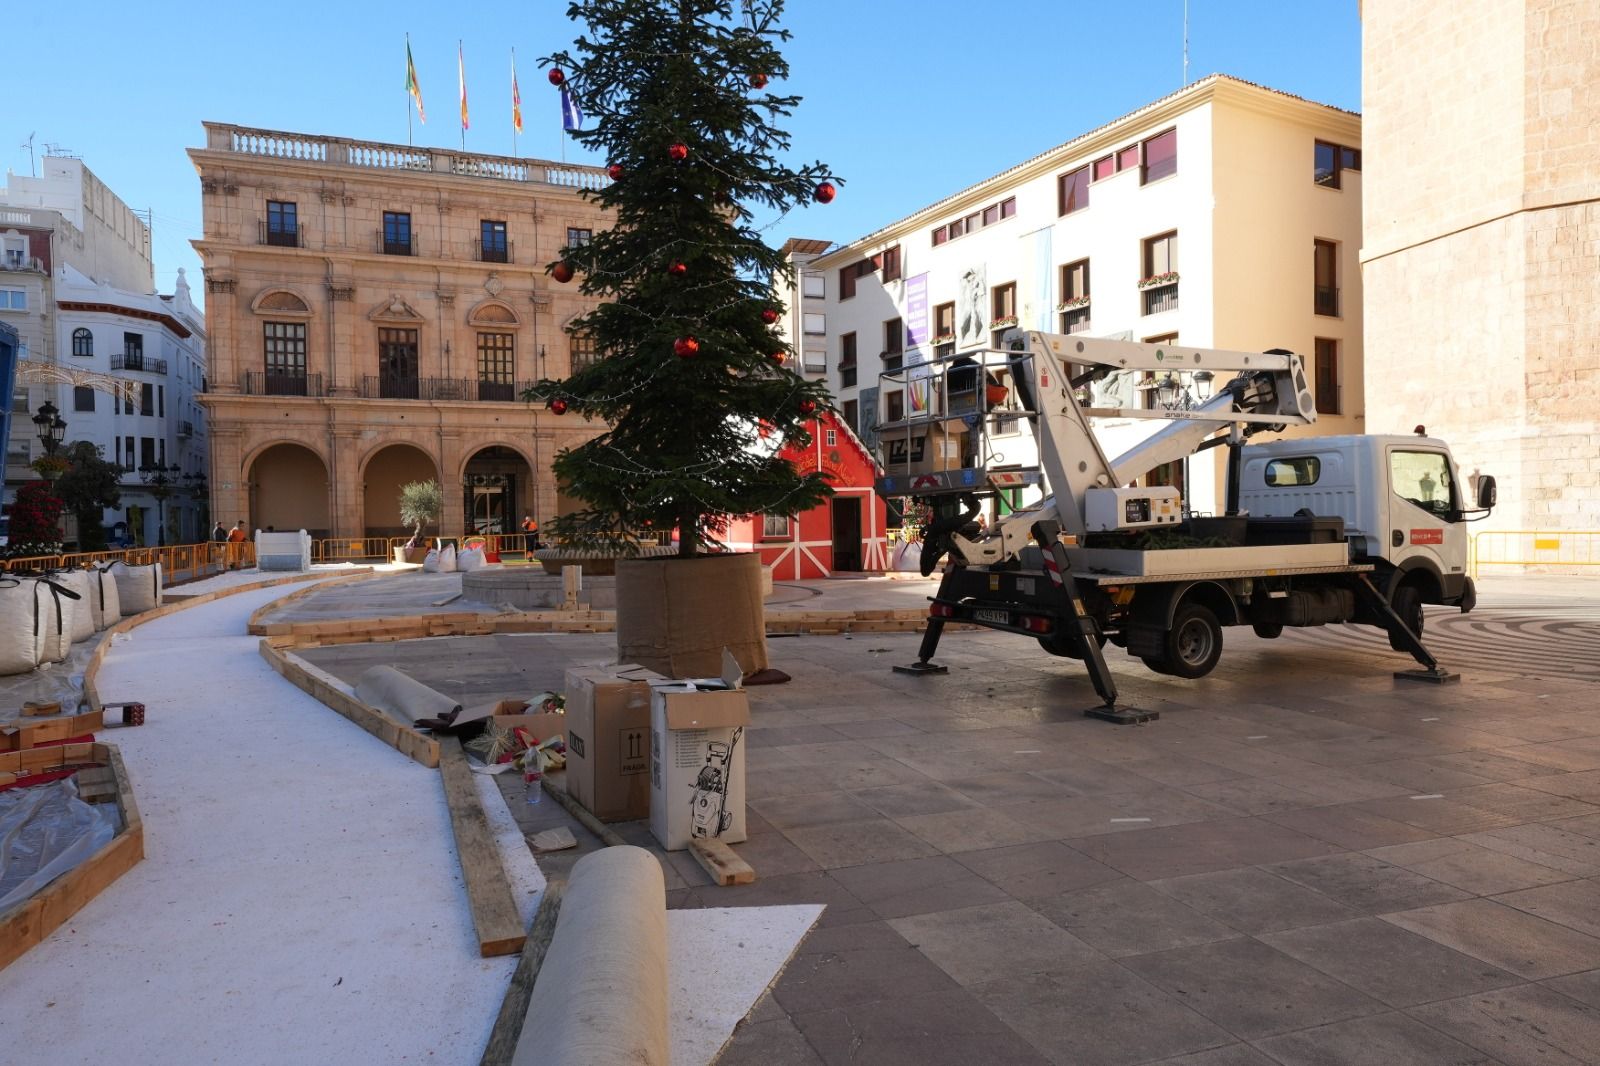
(674, 616)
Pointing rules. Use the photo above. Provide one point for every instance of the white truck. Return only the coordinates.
(1316, 530)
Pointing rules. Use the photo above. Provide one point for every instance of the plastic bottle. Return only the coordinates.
(533, 783)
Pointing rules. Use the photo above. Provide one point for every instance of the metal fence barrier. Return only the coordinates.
(180, 563)
(1535, 548)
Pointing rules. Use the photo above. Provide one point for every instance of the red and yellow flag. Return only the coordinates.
(516, 97)
(412, 85)
(461, 72)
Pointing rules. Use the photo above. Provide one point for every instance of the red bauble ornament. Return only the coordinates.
(779, 357)
(769, 316)
(678, 152)
(678, 270)
(558, 406)
(808, 407)
(562, 272)
(555, 76)
(825, 193)
(758, 81)
(685, 347)
(614, 171)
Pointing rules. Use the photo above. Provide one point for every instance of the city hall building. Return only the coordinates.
(375, 312)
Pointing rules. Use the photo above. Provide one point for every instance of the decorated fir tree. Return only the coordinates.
(690, 376)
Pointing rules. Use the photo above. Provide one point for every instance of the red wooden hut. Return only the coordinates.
(844, 533)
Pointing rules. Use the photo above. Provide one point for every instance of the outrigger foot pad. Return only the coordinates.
(1432, 677)
(923, 667)
(1122, 715)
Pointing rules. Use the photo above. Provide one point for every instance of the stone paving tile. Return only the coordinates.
(1254, 901)
(1583, 987)
(1381, 1038)
(1556, 756)
(1423, 775)
(1526, 804)
(876, 727)
(1250, 989)
(872, 962)
(974, 829)
(1231, 1055)
(858, 843)
(898, 801)
(1030, 871)
(799, 810)
(1388, 963)
(1180, 771)
(1128, 917)
(1574, 904)
(1584, 785)
(772, 855)
(917, 886)
(777, 1042)
(1498, 764)
(1547, 845)
(1528, 946)
(1253, 795)
(1528, 1025)
(1586, 826)
(1007, 787)
(1089, 777)
(1334, 784)
(1348, 826)
(914, 1029)
(1366, 883)
(1200, 847)
(1468, 866)
(1098, 1014)
(1437, 813)
(986, 943)
(1361, 750)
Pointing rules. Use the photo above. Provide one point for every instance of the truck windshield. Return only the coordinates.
(1422, 478)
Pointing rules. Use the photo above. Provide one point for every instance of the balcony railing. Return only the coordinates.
(497, 391)
(278, 236)
(126, 360)
(397, 243)
(1327, 300)
(1160, 298)
(495, 252)
(33, 264)
(441, 390)
(185, 430)
(259, 383)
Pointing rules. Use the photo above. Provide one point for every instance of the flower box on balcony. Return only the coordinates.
(1073, 304)
(1004, 322)
(945, 338)
(1157, 280)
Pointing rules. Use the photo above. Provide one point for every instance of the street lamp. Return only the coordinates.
(162, 480)
(51, 427)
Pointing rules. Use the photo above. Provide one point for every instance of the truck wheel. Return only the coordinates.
(1062, 645)
(1193, 645)
(1407, 603)
(1157, 666)
(1268, 630)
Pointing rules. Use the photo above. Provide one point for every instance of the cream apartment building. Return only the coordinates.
(1481, 254)
(1224, 215)
(375, 311)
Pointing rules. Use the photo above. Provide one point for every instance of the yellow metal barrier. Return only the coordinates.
(179, 562)
(1535, 547)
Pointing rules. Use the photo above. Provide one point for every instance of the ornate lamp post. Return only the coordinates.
(162, 481)
(51, 429)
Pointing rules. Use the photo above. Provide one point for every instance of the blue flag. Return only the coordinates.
(571, 117)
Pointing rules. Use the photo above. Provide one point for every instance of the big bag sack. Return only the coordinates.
(21, 604)
(138, 587)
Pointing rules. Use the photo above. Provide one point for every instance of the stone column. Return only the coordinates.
(449, 457)
(346, 498)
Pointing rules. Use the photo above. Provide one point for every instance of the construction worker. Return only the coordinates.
(530, 531)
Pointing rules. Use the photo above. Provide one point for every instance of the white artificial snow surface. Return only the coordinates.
(300, 900)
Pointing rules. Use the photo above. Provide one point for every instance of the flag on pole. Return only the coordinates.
(571, 117)
(412, 85)
(461, 73)
(516, 97)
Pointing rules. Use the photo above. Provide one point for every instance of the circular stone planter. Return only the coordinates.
(532, 589)
(594, 565)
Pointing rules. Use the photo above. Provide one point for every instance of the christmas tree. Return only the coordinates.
(689, 376)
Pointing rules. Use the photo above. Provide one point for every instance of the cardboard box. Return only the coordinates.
(608, 742)
(697, 741)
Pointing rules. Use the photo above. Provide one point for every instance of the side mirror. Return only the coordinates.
(1486, 492)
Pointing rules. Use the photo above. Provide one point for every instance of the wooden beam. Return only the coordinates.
(718, 860)
(508, 1026)
(585, 817)
(494, 907)
(330, 691)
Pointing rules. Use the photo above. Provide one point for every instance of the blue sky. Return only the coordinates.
(907, 100)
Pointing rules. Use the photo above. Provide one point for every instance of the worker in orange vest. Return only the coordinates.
(236, 538)
(530, 530)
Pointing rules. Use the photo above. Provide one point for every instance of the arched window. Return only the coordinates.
(82, 342)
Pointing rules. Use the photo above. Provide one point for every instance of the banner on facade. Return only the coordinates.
(972, 312)
(916, 311)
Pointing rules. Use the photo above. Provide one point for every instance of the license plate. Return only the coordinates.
(1000, 617)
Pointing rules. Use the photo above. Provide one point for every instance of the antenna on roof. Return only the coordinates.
(53, 148)
(33, 171)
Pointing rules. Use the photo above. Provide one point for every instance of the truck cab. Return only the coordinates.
(1402, 499)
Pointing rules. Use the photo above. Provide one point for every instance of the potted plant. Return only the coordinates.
(421, 504)
(689, 363)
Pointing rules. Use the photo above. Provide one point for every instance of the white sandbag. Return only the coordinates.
(20, 607)
(469, 559)
(83, 607)
(430, 562)
(103, 600)
(447, 559)
(138, 587)
(54, 639)
(908, 556)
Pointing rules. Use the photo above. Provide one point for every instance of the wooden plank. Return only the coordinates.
(585, 817)
(494, 907)
(514, 1009)
(325, 688)
(718, 860)
(31, 734)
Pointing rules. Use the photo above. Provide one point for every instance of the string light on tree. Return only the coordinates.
(678, 270)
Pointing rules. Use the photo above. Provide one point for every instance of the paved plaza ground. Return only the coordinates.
(1303, 861)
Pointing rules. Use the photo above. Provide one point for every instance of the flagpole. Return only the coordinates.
(461, 68)
(408, 91)
(513, 103)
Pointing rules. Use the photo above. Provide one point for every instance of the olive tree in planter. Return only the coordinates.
(421, 504)
(689, 375)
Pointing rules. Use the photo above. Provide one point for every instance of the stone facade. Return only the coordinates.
(309, 435)
(1482, 243)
